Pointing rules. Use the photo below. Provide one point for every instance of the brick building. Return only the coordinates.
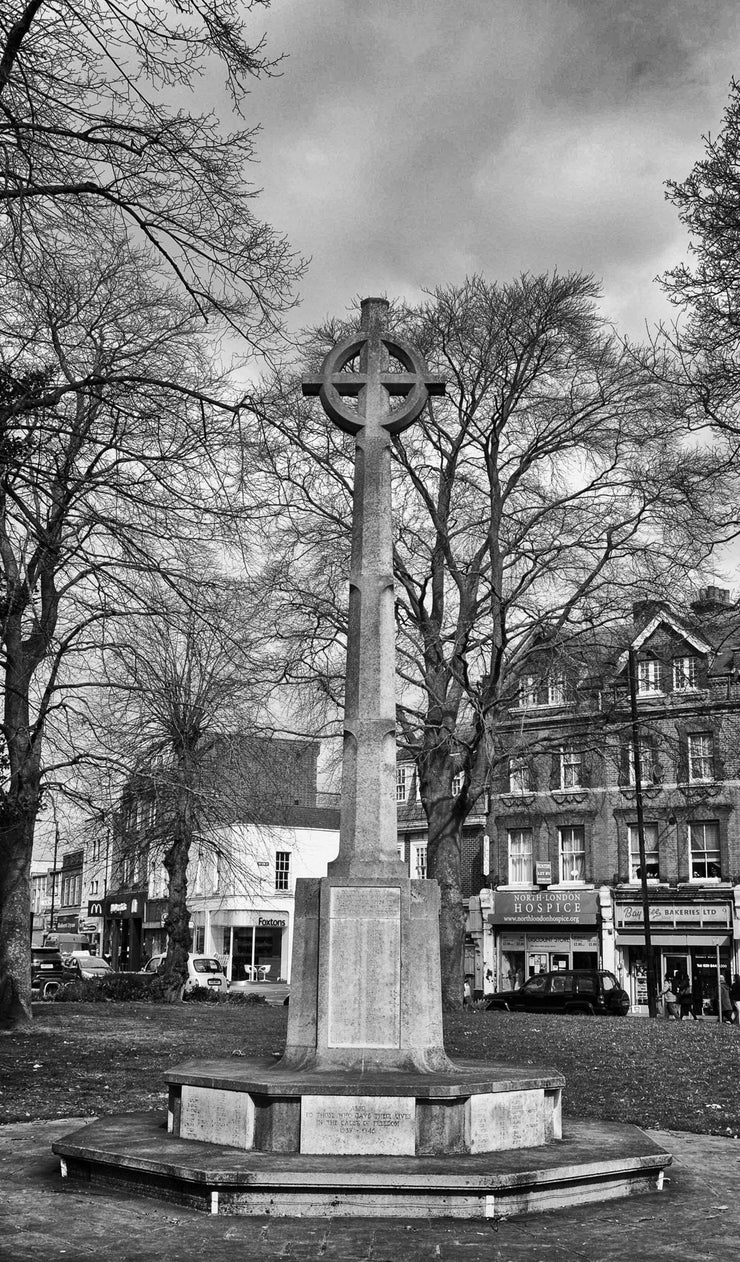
(564, 882)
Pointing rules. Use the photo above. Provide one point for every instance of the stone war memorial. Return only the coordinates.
(364, 1114)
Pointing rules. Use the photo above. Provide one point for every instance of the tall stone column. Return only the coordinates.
(365, 990)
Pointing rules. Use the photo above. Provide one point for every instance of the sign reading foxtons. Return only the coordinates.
(705, 915)
(548, 907)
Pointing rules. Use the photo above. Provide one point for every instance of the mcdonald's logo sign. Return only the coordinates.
(95, 907)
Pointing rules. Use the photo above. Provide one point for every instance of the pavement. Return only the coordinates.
(696, 1217)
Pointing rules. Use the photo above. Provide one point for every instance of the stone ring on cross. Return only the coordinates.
(414, 384)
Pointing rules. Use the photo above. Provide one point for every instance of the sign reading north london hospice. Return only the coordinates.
(562, 907)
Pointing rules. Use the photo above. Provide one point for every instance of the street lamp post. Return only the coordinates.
(652, 988)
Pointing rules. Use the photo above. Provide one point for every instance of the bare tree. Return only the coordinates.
(94, 127)
(539, 495)
(180, 717)
(113, 447)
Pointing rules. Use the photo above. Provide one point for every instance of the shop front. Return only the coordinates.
(123, 926)
(253, 945)
(543, 931)
(689, 937)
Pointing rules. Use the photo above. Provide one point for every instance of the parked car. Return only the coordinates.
(587, 990)
(204, 972)
(47, 971)
(91, 967)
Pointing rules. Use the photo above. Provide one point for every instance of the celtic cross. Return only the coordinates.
(368, 819)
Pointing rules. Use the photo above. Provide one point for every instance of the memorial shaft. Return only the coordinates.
(368, 822)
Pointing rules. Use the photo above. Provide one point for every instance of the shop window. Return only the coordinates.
(520, 856)
(701, 756)
(282, 870)
(648, 675)
(572, 848)
(571, 768)
(403, 783)
(652, 865)
(419, 862)
(685, 673)
(519, 778)
(199, 939)
(704, 853)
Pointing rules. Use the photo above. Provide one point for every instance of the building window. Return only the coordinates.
(652, 864)
(556, 690)
(520, 856)
(685, 673)
(571, 761)
(701, 756)
(572, 847)
(648, 675)
(199, 939)
(528, 691)
(704, 856)
(457, 783)
(403, 783)
(401, 847)
(282, 869)
(419, 862)
(519, 779)
(648, 765)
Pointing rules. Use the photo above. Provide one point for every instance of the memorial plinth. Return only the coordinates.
(364, 1112)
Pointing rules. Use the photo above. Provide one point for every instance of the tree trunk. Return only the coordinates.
(16, 846)
(443, 864)
(177, 921)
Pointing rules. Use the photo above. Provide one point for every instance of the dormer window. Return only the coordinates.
(648, 675)
(403, 783)
(535, 690)
(685, 673)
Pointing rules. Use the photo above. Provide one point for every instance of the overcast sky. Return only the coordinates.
(411, 142)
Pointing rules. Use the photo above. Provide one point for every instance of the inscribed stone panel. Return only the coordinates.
(372, 1125)
(217, 1117)
(508, 1119)
(364, 992)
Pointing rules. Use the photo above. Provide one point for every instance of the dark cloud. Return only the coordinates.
(407, 144)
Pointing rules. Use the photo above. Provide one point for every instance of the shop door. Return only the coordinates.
(675, 964)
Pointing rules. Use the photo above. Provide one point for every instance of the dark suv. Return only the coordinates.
(587, 990)
(47, 971)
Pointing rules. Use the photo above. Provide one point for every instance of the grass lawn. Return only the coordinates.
(84, 1059)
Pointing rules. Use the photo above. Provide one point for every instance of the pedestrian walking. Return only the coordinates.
(725, 1000)
(697, 996)
(670, 1001)
(683, 993)
(735, 997)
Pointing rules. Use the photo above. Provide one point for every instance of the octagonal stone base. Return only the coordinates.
(593, 1162)
(257, 1105)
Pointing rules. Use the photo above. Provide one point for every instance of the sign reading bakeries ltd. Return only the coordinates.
(548, 907)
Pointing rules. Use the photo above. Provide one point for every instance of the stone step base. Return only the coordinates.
(134, 1153)
(470, 1107)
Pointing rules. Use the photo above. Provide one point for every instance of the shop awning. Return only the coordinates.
(675, 939)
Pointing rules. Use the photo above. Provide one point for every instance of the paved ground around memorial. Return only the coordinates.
(81, 1060)
(696, 1218)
